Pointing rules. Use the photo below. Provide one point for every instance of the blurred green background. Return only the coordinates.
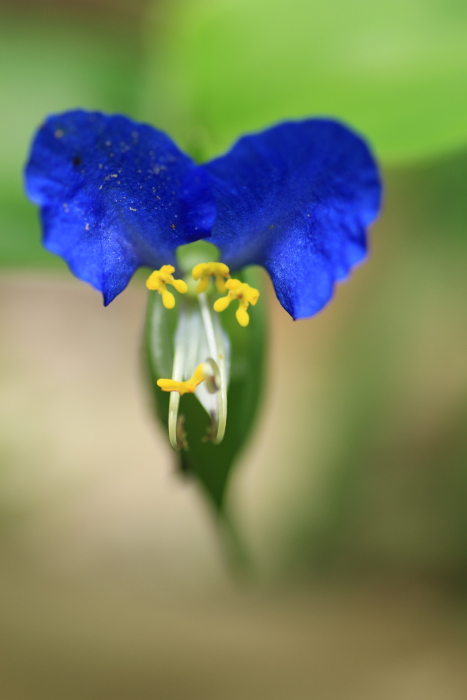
(352, 495)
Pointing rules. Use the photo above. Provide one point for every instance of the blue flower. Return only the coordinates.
(116, 195)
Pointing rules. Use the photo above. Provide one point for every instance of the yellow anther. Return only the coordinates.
(159, 280)
(245, 294)
(204, 271)
(187, 387)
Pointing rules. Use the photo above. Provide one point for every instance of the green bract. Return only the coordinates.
(210, 464)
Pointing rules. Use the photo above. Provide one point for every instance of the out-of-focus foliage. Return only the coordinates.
(395, 69)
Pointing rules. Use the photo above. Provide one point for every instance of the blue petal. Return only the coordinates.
(296, 199)
(115, 195)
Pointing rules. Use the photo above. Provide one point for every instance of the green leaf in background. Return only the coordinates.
(211, 464)
(395, 70)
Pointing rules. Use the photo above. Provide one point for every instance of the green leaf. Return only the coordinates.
(396, 71)
(211, 464)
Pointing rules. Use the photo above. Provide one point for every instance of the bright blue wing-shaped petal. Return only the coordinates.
(115, 195)
(296, 199)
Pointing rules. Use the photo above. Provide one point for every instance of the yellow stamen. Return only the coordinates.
(159, 280)
(204, 271)
(245, 294)
(187, 387)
